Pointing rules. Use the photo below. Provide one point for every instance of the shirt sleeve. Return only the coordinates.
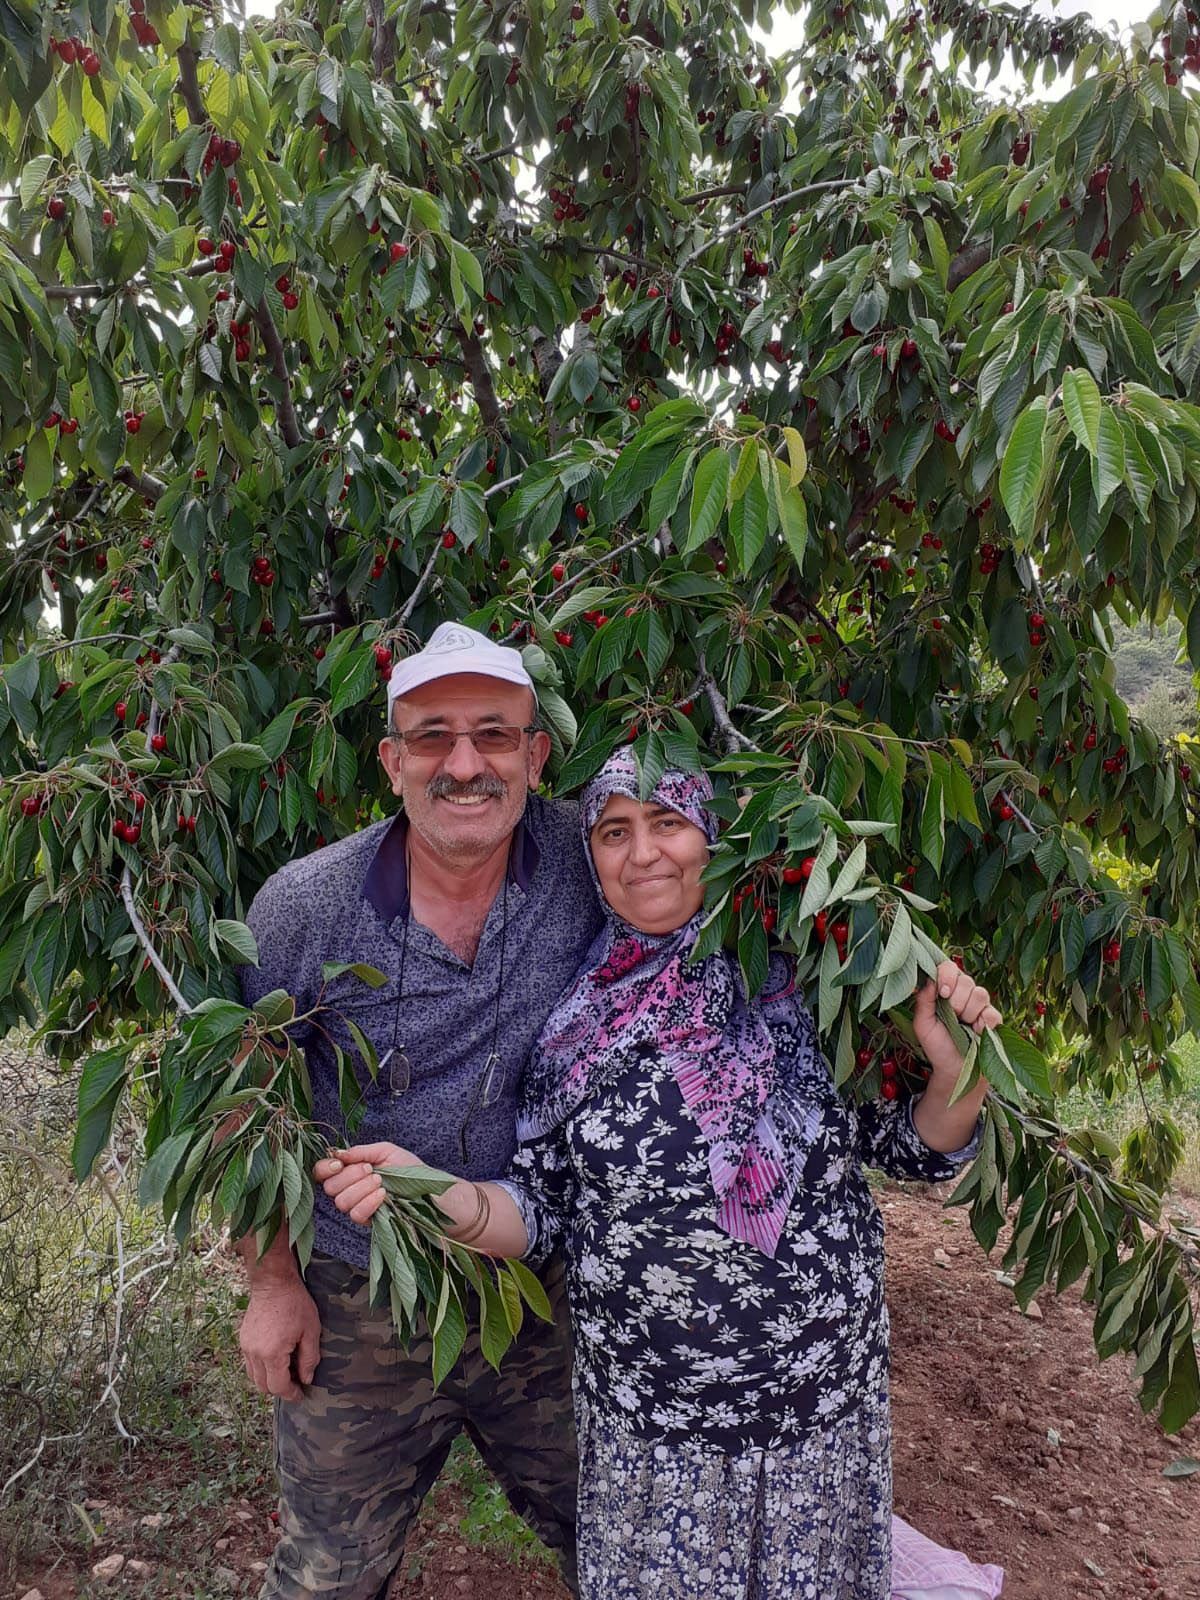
(888, 1139)
(541, 1184)
(285, 952)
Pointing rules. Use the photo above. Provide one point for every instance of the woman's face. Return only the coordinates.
(649, 860)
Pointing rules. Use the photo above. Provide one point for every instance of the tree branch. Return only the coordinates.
(732, 738)
(318, 619)
(143, 939)
(410, 605)
(497, 155)
(189, 85)
(965, 263)
(343, 612)
(750, 216)
(288, 424)
(383, 39)
(856, 534)
(589, 566)
(149, 487)
(711, 194)
(481, 381)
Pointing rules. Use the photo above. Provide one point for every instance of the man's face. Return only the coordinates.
(464, 804)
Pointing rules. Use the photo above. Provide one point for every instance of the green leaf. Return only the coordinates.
(797, 456)
(1108, 464)
(39, 467)
(745, 471)
(352, 679)
(1081, 403)
(1021, 470)
(237, 940)
(709, 489)
(100, 1088)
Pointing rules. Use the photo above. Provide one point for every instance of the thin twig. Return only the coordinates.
(143, 483)
(410, 605)
(732, 738)
(288, 423)
(143, 937)
(750, 216)
(600, 561)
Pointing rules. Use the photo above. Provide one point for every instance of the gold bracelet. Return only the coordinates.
(479, 1222)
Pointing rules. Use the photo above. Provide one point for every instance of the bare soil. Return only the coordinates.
(1011, 1444)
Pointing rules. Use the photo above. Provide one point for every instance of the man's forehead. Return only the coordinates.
(472, 695)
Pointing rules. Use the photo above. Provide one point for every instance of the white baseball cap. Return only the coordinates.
(454, 648)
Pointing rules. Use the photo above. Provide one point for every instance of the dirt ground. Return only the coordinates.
(1011, 1444)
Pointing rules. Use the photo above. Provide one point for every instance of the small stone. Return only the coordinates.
(227, 1577)
(464, 1585)
(244, 1516)
(258, 1566)
(32, 1594)
(153, 1522)
(1075, 1513)
(139, 1569)
(104, 1571)
(1043, 1521)
(221, 1545)
(941, 1259)
(1033, 1311)
(1103, 1527)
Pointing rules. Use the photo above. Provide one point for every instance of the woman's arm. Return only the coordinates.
(483, 1215)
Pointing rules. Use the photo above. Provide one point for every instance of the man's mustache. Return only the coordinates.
(485, 786)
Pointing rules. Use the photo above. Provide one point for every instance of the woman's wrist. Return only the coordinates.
(461, 1204)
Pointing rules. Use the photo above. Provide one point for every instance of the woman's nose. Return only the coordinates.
(642, 847)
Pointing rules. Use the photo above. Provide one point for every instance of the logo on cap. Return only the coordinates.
(449, 638)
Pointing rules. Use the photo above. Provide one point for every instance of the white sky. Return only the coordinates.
(786, 33)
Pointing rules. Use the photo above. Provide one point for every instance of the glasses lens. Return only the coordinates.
(431, 742)
(496, 741)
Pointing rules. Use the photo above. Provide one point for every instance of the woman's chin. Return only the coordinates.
(657, 919)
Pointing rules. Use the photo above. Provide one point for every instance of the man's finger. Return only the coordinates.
(308, 1354)
(365, 1209)
(347, 1178)
(281, 1382)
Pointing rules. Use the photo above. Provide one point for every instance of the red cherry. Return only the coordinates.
(383, 658)
(558, 572)
(91, 64)
(889, 1089)
(581, 511)
(841, 932)
(158, 742)
(120, 828)
(563, 638)
(56, 208)
(634, 404)
(291, 300)
(66, 51)
(449, 539)
(133, 424)
(769, 918)
(864, 1056)
(909, 348)
(107, 217)
(205, 247)
(119, 710)
(1112, 951)
(132, 833)
(888, 1067)
(398, 251)
(821, 925)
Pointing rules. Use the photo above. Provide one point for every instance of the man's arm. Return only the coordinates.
(280, 1335)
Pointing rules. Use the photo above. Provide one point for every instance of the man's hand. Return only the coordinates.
(280, 1338)
(350, 1180)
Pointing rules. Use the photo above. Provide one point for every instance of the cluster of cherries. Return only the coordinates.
(262, 572)
(72, 50)
(290, 298)
(67, 425)
(144, 32)
(752, 267)
(1191, 54)
(225, 251)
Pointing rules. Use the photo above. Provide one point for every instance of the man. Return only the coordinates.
(477, 903)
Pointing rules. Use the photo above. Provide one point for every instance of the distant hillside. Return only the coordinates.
(1149, 681)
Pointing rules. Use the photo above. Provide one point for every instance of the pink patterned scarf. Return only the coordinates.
(639, 994)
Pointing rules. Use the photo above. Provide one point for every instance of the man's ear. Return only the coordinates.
(391, 754)
(539, 754)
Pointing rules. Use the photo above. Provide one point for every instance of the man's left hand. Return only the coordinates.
(971, 1004)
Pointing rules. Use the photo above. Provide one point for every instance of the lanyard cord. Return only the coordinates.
(491, 1079)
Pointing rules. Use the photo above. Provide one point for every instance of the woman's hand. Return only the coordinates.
(941, 1125)
(971, 1004)
(350, 1179)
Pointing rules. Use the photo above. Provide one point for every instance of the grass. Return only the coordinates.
(1117, 1118)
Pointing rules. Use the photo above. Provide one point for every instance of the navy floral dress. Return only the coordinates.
(732, 1407)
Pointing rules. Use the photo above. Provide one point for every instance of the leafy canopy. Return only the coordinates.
(815, 417)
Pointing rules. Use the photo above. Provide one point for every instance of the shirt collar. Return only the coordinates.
(386, 884)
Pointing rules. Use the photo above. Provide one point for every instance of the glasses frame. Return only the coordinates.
(468, 733)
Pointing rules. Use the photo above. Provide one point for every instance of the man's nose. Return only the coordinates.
(464, 762)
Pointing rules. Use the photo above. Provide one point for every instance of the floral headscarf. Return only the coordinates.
(637, 993)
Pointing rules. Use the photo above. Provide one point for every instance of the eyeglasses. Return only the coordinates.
(500, 740)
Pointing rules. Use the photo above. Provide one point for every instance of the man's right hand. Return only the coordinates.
(281, 1322)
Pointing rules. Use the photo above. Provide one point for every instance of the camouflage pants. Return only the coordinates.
(359, 1453)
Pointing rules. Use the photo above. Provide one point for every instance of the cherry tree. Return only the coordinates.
(812, 417)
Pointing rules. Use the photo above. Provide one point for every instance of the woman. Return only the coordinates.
(724, 1257)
